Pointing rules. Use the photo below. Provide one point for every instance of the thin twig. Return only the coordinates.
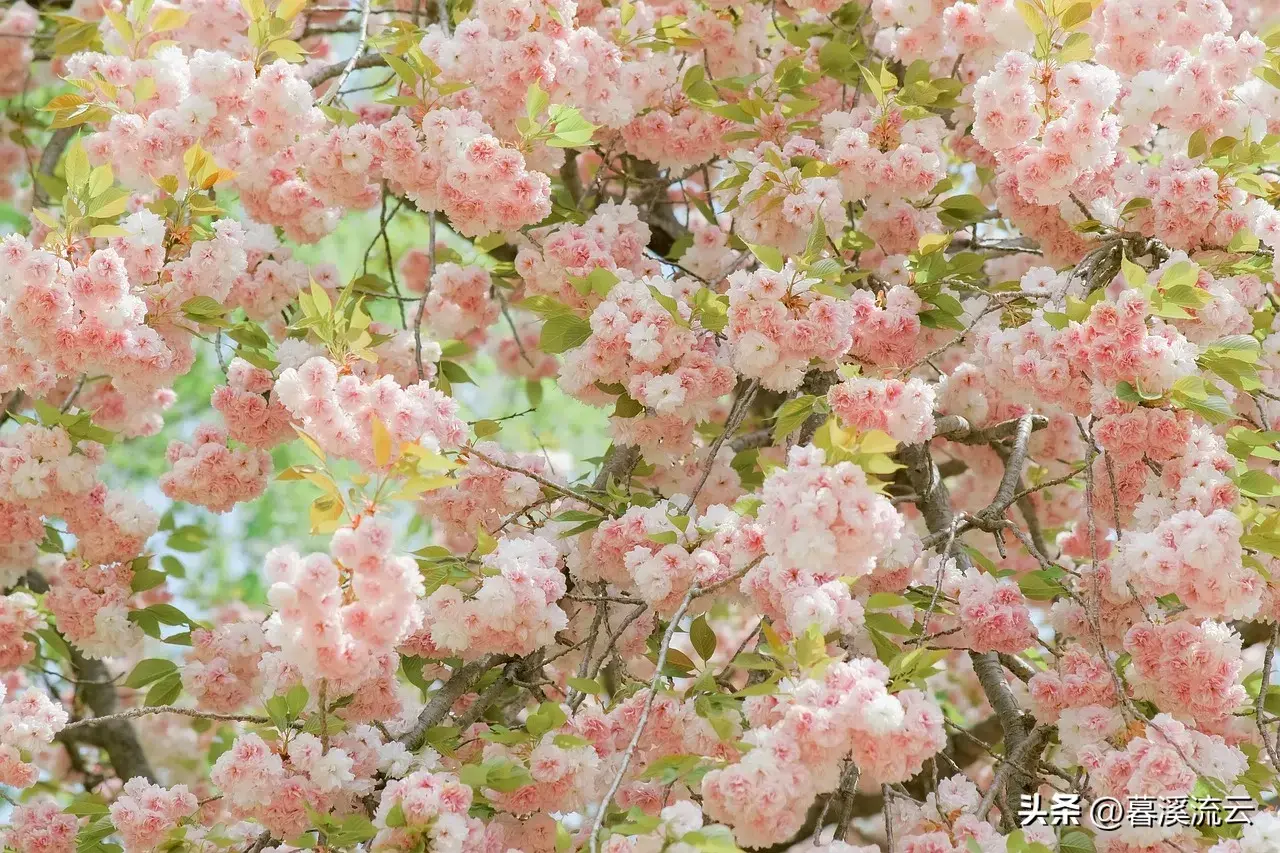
(133, 713)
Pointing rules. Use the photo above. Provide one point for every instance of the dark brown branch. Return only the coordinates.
(117, 737)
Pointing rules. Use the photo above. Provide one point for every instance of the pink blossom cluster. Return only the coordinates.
(1048, 140)
(484, 496)
(1047, 225)
(435, 809)
(129, 413)
(91, 605)
(518, 355)
(1191, 670)
(1196, 557)
(992, 614)
(18, 26)
(676, 822)
(1197, 476)
(1163, 763)
(40, 826)
(909, 30)
(222, 669)
(1114, 344)
(275, 789)
(277, 786)
(28, 722)
(815, 515)
(339, 618)
(801, 736)
(779, 322)
(1116, 610)
(210, 97)
(677, 373)
(144, 814)
(779, 206)
(42, 474)
(13, 160)
(709, 257)
(1131, 435)
(454, 163)
(210, 474)
(732, 41)
(983, 28)
(1228, 308)
(1079, 679)
(458, 303)
(675, 134)
(614, 239)
(272, 277)
(563, 777)
(1184, 199)
(613, 540)
(903, 410)
(674, 727)
(18, 618)
(338, 410)
(885, 156)
(710, 548)
(514, 610)
(251, 407)
(1135, 33)
(681, 477)
(1205, 83)
(947, 822)
(886, 330)
(60, 319)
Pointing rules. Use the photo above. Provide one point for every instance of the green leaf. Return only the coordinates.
(164, 691)
(885, 600)
(965, 208)
(589, 686)
(1076, 15)
(1075, 841)
(767, 255)
(1181, 273)
(563, 332)
(76, 167)
(792, 414)
(1240, 347)
(296, 700)
(149, 670)
(145, 577)
(1258, 484)
(548, 717)
(703, 638)
(535, 102)
(887, 624)
(571, 130)
(87, 805)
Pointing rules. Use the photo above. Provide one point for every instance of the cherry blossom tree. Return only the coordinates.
(936, 350)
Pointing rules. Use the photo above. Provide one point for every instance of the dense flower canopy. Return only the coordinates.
(935, 345)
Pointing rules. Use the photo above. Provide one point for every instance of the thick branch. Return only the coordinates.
(1012, 470)
(323, 75)
(935, 505)
(116, 735)
(438, 708)
(957, 429)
